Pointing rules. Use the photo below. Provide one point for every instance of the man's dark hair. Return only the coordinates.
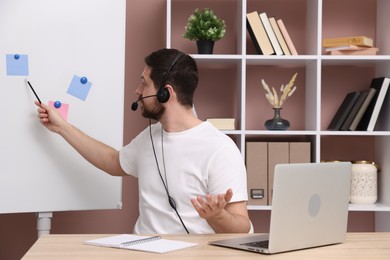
(183, 76)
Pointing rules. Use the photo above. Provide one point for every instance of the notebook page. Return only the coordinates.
(161, 246)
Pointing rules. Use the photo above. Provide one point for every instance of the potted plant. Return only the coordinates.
(205, 28)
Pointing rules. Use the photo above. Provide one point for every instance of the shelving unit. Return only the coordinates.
(322, 81)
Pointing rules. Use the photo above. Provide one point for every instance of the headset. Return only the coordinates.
(163, 94)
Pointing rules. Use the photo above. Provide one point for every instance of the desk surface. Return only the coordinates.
(357, 246)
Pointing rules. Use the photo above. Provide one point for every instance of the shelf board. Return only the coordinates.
(217, 57)
(355, 133)
(373, 207)
(285, 61)
(354, 60)
(253, 207)
(352, 207)
(288, 132)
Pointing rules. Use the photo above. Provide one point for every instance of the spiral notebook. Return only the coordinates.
(154, 244)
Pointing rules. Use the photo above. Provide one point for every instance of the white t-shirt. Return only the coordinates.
(198, 161)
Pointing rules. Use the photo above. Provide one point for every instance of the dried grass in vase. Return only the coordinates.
(286, 92)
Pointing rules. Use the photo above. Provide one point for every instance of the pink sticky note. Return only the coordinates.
(63, 109)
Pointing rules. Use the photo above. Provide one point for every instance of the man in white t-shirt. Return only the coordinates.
(191, 176)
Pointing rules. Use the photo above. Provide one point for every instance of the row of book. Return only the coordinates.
(261, 158)
(360, 109)
(269, 35)
(350, 45)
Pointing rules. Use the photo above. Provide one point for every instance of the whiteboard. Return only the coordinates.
(55, 44)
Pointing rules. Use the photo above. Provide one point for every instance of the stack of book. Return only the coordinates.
(351, 45)
(269, 35)
(360, 109)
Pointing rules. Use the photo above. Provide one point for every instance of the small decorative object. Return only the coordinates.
(364, 182)
(205, 28)
(277, 123)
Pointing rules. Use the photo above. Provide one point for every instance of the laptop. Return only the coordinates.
(309, 209)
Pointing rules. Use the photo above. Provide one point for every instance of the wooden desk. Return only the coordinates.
(357, 246)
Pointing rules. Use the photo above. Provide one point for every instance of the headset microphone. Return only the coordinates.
(134, 105)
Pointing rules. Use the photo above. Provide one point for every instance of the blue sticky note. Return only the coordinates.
(17, 65)
(79, 87)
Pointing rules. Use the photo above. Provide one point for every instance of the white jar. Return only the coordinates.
(364, 182)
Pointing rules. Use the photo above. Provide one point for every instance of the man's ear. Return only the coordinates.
(171, 91)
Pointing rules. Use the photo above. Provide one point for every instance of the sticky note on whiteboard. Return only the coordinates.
(79, 87)
(62, 108)
(17, 64)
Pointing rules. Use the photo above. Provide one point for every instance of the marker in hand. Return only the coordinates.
(28, 82)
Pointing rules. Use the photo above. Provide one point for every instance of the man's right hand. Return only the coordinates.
(49, 117)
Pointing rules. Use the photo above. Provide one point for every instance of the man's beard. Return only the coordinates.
(155, 113)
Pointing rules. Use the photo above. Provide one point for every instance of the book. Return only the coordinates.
(343, 110)
(271, 34)
(353, 40)
(343, 47)
(279, 36)
(223, 123)
(362, 109)
(287, 37)
(154, 244)
(352, 114)
(258, 34)
(371, 115)
(361, 51)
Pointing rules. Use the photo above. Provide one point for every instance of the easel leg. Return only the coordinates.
(44, 223)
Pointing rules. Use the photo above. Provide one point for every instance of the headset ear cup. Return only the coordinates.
(163, 95)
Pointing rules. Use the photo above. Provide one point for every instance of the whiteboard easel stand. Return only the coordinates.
(44, 223)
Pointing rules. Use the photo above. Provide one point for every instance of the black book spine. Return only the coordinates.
(343, 111)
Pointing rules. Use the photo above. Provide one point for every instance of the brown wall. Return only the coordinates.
(145, 33)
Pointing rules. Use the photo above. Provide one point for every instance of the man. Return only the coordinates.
(191, 176)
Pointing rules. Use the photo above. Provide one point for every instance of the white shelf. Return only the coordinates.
(321, 72)
(355, 133)
(352, 207)
(373, 207)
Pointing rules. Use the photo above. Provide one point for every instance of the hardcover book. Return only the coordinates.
(279, 36)
(352, 114)
(343, 47)
(223, 123)
(271, 34)
(371, 115)
(258, 34)
(287, 37)
(343, 110)
(352, 40)
(361, 51)
(362, 109)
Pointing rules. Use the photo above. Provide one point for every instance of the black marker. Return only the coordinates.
(28, 82)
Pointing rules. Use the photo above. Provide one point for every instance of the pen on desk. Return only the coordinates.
(28, 82)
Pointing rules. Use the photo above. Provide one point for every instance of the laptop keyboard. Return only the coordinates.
(261, 244)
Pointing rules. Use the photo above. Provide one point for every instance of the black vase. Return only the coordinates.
(205, 46)
(277, 123)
